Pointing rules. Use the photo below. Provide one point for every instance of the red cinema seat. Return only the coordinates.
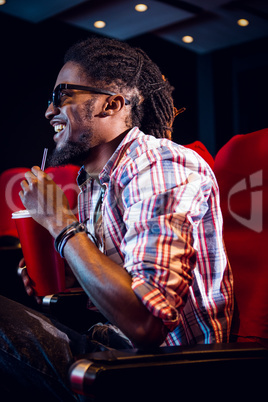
(241, 168)
(200, 148)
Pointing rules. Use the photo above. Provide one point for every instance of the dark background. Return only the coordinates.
(224, 92)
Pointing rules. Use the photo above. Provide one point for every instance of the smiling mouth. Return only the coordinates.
(59, 127)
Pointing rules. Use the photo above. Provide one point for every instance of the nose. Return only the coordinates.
(51, 111)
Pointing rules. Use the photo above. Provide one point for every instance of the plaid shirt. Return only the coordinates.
(161, 221)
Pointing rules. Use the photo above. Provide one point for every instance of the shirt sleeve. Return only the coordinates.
(164, 200)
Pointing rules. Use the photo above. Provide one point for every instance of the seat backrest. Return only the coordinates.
(241, 168)
(200, 148)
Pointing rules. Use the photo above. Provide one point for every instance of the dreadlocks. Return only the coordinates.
(127, 69)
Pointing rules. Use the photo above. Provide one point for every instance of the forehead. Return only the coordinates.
(72, 73)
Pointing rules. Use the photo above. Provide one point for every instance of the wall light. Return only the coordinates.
(141, 8)
(99, 24)
(187, 39)
(243, 22)
(2, 2)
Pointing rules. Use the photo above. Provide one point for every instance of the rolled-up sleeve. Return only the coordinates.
(164, 200)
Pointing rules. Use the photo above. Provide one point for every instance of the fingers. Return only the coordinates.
(22, 272)
(27, 282)
(38, 299)
(30, 183)
(32, 175)
(24, 185)
(36, 170)
(27, 183)
(22, 262)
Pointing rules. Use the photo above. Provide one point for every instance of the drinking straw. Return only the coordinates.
(44, 159)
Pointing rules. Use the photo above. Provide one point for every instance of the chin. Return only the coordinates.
(69, 153)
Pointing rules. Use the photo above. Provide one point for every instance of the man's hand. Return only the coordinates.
(27, 281)
(70, 280)
(45, 201)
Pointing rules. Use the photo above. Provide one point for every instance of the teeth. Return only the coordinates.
(59, 127)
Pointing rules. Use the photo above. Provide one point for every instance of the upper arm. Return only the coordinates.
(163, 205)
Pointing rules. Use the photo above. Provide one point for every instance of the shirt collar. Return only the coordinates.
(103, 177)
(118, 154)
(84, 176)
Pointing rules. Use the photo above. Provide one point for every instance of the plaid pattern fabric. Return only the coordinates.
(161, 221)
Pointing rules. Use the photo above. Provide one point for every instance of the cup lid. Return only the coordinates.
(24, 213)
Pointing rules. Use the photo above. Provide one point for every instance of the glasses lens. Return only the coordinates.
(55, 97)
(52, 100)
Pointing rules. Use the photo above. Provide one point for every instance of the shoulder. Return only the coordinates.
(147, 159)
(146, 150)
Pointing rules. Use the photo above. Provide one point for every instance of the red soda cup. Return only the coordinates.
(44, 265)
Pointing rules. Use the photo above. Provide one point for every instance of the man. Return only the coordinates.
(148, 251)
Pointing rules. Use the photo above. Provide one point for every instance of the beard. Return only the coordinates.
(71, 153)
(75, 153)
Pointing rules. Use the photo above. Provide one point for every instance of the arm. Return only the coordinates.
(109, 287)
(107, 284)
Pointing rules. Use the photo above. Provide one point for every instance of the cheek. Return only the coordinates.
(90, 108)
(84, 112)
(81, 118)
(76, 117)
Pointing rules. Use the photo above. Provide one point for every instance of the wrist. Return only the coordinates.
(67, 233)
(56, 226)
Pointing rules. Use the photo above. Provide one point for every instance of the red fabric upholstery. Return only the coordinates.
(241, 168)
(200, 148)
(9, 199)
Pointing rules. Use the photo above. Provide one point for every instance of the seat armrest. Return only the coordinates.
(70, 308)
(59, 302)
(165, 372)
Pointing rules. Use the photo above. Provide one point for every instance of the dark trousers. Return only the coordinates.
(36, 352)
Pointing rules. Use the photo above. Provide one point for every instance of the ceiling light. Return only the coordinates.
(2, 2)
(141, 7)
(187, 39)
(243, 22)
(99, 24)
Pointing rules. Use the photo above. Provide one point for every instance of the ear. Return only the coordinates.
(113, 105)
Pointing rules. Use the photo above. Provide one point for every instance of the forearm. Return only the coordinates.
(108, 286)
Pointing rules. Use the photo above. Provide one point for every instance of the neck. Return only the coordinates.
(100, 154)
